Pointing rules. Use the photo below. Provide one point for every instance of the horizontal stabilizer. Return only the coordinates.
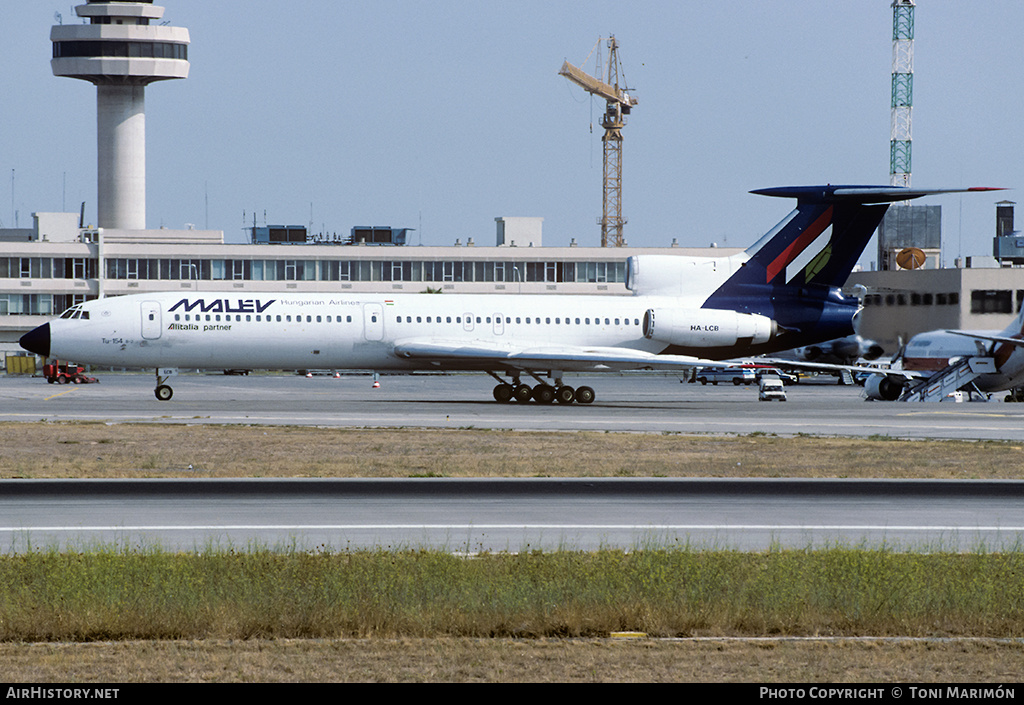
(859, 194)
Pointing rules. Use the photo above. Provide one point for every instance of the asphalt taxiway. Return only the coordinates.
(626, 403)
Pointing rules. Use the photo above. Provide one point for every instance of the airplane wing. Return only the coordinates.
(829, 367)
(985, 336)
(457, 354)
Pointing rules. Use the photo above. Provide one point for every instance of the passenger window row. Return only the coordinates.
(533, 320)
(519, 319)
(259, 318)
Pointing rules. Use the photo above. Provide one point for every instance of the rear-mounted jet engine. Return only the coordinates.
(707, 328)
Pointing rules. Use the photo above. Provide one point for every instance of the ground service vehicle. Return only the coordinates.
(736, 375)
(771, 389)
(62, 373)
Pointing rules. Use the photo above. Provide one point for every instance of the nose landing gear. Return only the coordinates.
(163, 391)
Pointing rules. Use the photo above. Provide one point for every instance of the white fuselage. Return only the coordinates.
(416, 331)
(336, 331)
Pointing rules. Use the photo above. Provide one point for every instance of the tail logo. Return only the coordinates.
(816, 264)
(800, 244)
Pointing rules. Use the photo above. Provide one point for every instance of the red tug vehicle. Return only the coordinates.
(62, 373)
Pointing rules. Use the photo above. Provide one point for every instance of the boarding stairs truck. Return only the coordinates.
(950, 379)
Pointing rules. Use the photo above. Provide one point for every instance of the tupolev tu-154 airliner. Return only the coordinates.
(782, 292)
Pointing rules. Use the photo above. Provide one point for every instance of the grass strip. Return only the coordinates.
(109, 593)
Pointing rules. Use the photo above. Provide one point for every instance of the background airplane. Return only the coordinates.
(936, 363)
(782, 292)
(841, 351)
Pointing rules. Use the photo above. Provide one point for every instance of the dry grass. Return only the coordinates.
(96, 450)
(515, 660)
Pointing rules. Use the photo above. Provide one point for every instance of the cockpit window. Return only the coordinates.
(76, 312)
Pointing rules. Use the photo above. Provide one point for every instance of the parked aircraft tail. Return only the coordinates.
(795, 272)
(820, 242)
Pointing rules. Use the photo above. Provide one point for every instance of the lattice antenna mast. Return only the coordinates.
(619, 103)
(902, 91)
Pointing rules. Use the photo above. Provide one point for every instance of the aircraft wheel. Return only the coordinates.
(503, 393)
(585, 395)
(544, 394)
(522, 393)
(565, 395)
(163, 392)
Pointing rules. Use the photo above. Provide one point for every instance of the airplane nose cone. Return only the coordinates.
(37, 340)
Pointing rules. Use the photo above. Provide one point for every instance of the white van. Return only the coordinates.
(771, 389)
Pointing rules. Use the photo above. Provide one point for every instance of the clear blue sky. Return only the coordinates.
(443, 115)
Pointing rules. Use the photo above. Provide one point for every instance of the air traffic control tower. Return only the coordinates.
(121, 50)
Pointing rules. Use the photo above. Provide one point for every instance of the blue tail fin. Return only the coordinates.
(819, 242)
(794, 273)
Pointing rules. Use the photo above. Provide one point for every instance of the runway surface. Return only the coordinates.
(510, 515)
(629, 403)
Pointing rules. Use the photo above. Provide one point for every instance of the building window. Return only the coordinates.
(992, 301)
(134, 50)
(30, 304)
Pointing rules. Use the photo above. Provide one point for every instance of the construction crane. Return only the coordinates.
(619, 103)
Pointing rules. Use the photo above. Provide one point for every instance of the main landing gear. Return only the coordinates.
(543, 393)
